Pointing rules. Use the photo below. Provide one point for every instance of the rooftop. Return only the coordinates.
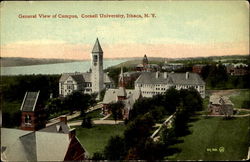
(29, 101)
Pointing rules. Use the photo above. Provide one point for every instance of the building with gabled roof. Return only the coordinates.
(220, 105)
(93, 81)
(153, 83)
(56, 142)
(21, 145)
(33, 116)
(145, 66)
(127, 96)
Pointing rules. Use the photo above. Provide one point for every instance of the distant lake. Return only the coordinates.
(58, 68)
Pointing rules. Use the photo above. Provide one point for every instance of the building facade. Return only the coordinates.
(198, 68)
(33, 115)
(93, 81)
(145, 66)
(220, 105)
(153, 83)
(127, 96)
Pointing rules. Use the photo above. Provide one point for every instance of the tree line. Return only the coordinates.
(13, 89)
(136, 142)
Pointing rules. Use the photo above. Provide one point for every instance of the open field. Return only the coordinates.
(96, 138)
(213, 134)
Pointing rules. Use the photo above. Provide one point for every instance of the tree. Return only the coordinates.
(141, 107)
(168, 136)
(138, 130)
(171, 99)
(54, 105)
(98, 156)
(86, 122)
(115, 148)
(116, 109)
(152, 150)
(180, 121)
(191, 100)
(217, 76)
(78, 101)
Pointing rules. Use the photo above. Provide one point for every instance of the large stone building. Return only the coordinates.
(153, 83)
(220, 105)
(37, 142)
(93, 81)
(56, 142)
(145, 66)
(126, 96)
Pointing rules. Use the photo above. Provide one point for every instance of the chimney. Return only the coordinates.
(165, 75)
(187, 75)
(72, 133)
(63, 118)
(157, 74)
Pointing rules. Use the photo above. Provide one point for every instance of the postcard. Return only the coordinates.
(125, 80)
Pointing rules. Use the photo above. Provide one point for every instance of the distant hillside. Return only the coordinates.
(19, 61)
(189, 60)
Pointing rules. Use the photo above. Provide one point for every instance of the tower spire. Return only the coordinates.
(121, 80)
(97, 47)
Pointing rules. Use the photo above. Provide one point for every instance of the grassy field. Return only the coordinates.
(239, 99)
(96, 114)
(96, 138)
(209, 135)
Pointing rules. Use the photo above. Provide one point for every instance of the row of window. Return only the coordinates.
(163, 89)
(154, 93)
(176, 86)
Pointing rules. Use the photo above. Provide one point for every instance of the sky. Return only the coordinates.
(179, 29)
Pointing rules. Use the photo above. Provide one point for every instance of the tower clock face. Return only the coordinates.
(95, 63)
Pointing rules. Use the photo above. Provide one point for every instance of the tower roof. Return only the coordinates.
(97, 47)
(29, 101)
(145, 59)
(121, 79)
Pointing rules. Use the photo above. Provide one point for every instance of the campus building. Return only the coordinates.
(127, 96)
(93, 81)
(153, 83)
(35, 141)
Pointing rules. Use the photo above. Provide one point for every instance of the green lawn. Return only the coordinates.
(211, 134)
(239, 99)
(96, 138)
(96, 114)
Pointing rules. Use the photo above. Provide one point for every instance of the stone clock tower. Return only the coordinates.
(97, 69)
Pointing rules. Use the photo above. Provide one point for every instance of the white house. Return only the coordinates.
(90, 82)
(152, 83)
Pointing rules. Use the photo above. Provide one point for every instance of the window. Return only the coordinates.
(27, 119)
(95, 58)
(70, 82)
(70, 87)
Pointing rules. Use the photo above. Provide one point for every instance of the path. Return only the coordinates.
(164, 123)
(74, 115)
(111, 122)
(224, 92)
(105, 117)
(237, 116)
